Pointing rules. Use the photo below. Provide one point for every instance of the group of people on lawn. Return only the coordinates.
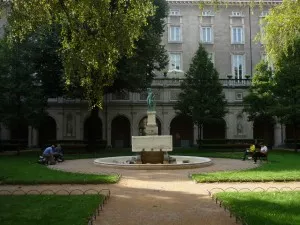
(53, 154)
(256, 153)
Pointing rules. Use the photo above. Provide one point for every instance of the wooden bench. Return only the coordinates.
(264, 157)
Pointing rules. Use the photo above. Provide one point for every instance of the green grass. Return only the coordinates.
(47, 209)
(264, 208)
(24, 169)
(282, 166)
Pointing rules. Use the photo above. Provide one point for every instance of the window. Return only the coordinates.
(237, 35)
(174, 12)
(268, 60)
(175, 33)
(206, 35)
(236, 14)
(207, 13)
(264, 13)
(239, 96)
(175, 61)
(238, 66)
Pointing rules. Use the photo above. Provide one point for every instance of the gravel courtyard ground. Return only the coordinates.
(162, 197)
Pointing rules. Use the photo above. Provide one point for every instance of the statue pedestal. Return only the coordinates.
(151, 127)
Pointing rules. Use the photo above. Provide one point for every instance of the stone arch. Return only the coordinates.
(47, 131)
(263, 130)
(92, 128)
(214, 130)
(182, 131)
(120, 132)
(289, 132)
(142, 126)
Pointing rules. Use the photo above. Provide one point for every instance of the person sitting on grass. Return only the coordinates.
(263, 152)
(48, 154)
(58, 153)
(249, 151)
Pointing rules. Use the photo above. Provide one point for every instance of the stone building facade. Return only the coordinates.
(227, 32)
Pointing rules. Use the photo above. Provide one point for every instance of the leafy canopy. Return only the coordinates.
(260, 100)
(281, 28)
(202, 95)
(94, 34)
(135, 72)
(23, 99)
(287, 85)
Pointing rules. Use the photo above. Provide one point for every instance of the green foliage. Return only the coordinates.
(94, 35)
(287, 85)
(135, 72)
(22, 97)
(281, 29)
(260, 100)
(282, 166)
(202, 95)
(26, 170)
(48, 209)
(268, 208)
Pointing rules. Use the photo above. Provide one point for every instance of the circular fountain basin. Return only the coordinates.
(182, 162)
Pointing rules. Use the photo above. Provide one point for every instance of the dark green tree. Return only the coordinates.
(135, 73)
(22, 98)
(202, 95)
(94, 35)
(287, 88)
(260, 102)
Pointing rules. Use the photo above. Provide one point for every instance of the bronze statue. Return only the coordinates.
(150, 100)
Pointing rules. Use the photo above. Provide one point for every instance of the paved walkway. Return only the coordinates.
(164, 197)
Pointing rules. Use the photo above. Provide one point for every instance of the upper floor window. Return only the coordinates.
(207, 13)
(237, 35)
(264, 13)
(175, 33)
(175, 61)
(238, 66)
(174, 12)
(206, 35)
(237, 14)
(265, 58)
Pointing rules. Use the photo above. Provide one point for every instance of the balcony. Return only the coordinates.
(227, 83)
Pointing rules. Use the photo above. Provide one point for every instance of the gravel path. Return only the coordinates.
(164, 197)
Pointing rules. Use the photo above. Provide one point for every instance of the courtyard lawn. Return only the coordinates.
(264, 208)
(282, 166)
(48, 209)
(24, 169)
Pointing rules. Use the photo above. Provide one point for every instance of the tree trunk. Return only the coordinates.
(295, 136)
(200, 135)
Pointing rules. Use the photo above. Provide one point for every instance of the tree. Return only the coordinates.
(287, 87)
(260, 102)
(94, 35)
(281, 28)
(22, 98)
(202, 95)
(136, 72)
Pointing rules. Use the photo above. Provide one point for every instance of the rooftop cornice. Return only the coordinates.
(224, 2)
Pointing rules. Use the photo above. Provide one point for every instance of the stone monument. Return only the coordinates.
(151, 127)
(152, 147)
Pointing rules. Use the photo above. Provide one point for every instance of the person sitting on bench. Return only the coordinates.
(262, 153)
(249, 151)
(48, 154)
(58, 153)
